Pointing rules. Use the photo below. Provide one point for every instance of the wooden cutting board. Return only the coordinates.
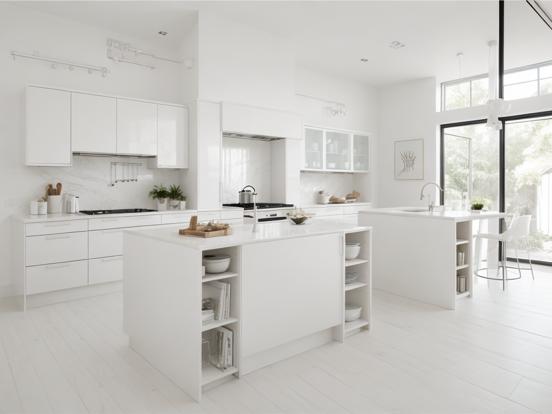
(199, 232)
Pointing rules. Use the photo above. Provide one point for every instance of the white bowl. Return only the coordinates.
(350, 277)
(352, 250)
(352, 313)
(216, 263)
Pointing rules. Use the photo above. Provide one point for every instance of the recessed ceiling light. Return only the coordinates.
(363, 60)
(395, 44)
(162, 33)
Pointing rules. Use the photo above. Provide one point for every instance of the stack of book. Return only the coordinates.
(219, 295)
(221, 343)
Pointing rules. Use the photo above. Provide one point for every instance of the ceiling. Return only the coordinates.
(334, 36)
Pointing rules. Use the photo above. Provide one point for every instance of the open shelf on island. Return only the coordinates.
(461, 241)
(353, 325)
(354, 285)
(209, 277)
(215, 324)
(354, 262)
(210, 374)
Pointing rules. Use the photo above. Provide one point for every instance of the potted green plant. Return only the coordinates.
(160, 194)
(477, 206)
(176, 196)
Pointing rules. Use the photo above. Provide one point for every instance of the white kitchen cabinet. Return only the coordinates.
(56, 276)
(328, 150)
(55, 248)
(105, 269)
(361, 152)
(172, 137)
(136, 127)
(48, 127)
(314, 149)
(103, 243)
(93, 124)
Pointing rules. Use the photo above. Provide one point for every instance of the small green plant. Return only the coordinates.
(175, 193)
(159, 192)
(477, 205)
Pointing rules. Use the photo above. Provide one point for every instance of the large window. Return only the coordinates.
(519, 83)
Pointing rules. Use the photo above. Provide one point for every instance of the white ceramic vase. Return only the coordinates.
(161, 204)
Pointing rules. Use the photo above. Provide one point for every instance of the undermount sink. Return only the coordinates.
(413, 210)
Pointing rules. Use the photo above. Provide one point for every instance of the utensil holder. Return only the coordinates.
(54, 204)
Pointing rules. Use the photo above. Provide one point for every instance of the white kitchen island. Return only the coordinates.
(288, 295)
(415, 251)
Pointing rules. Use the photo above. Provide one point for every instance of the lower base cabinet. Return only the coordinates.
(105, 269)
(47, 278)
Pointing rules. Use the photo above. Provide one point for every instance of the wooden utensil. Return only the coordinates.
(58, 188)
(49, 190)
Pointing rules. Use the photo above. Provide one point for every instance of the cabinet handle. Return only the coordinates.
(111, 259)
(58, 266)
(57, 237)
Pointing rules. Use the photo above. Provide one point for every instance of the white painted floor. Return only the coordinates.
(493, 355)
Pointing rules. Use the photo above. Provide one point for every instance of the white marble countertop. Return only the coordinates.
(27, 218)
(437, 214)
(334, 205)
(243, 234)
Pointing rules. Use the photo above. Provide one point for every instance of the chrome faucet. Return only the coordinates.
(430, 205)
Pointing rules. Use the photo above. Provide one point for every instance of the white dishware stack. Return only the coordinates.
(352, 312)
(216, 263)
(352, 250)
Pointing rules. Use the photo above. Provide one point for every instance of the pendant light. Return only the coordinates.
(495, 105)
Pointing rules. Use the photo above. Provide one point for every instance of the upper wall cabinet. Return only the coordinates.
(335, 150)
(253, 120)
(136, 127)
(48, 127)
(93, 124)
(172, 137)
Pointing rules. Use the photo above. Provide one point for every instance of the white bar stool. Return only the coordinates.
(516, 234)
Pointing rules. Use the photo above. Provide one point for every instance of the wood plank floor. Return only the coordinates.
(492, 355)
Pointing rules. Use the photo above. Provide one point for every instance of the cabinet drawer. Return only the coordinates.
(231, 214)
(107, 269)
(102, 243)
(69, 226)
(183, 218)
(55, 248)
(58, 276)
(119, 222)
(208, 215)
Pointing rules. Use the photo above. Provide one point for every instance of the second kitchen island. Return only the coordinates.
(287, 295)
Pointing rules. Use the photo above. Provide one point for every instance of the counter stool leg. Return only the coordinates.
(530, 263)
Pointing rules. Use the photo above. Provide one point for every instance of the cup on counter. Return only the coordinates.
(54, 204)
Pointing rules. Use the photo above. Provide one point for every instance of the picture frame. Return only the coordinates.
(409, 159)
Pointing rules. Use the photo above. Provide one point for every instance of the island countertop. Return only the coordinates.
(242, 234)
(454, 215)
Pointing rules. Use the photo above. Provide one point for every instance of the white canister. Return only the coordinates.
(54, 204)
(183, 205)
(42, 207)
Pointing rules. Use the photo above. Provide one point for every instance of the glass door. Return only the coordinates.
(470, 166)
(361, 153)
(314, 149)
(528, 182)
(338, 151)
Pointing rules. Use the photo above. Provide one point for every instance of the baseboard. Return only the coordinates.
(50, 298)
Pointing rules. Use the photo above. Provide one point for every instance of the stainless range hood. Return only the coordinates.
(257, 137)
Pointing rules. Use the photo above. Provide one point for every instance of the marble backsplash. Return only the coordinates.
(90, 179)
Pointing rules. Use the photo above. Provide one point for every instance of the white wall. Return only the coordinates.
(362, 108)
(28, 31)
(244, 65)
(406, 111)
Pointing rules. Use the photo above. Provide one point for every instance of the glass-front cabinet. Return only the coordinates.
(361, 153)
(314, 148)
(336, 150)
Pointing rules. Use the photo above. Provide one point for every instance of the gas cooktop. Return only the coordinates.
(116, 211)
(249, 206)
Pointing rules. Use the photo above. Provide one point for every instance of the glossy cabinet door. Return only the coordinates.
(314, 149)
(172, 137)
(48, 127)
(338, 151)
(361, 153)
(93, 123)
(136, 127)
